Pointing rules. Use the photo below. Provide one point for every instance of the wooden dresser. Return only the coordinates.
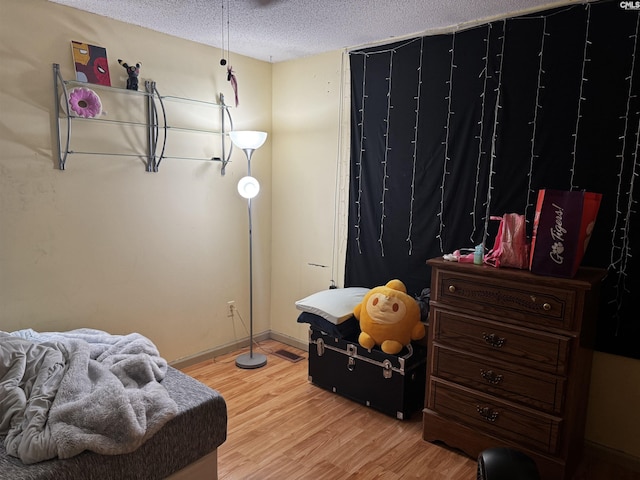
(509, 361)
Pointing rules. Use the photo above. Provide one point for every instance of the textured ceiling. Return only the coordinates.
(279, 30)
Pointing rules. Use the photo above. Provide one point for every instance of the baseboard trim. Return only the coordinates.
(232, 347)
(287, 340)
(216, 352)
(610, 455)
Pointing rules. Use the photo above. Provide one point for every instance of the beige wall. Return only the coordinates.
(306, 162)
(106, 245)
(613, 419)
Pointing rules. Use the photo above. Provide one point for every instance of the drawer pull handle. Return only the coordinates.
(491, 377)
(452, 288)
(493, 339)
(488, 414)
(546, 307)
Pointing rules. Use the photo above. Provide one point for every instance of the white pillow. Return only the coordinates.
(335, 305)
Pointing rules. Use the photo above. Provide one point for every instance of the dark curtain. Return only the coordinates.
(449, 129)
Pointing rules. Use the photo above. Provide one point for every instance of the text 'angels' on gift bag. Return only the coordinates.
(562, 228)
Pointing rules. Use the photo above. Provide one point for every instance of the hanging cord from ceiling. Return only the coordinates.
(223, 60)
(226, 59)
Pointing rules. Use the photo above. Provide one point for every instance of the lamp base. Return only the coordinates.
(247, 360)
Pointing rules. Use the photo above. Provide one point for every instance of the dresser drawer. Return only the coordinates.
(518, 302)
(521, 346)
(490, 415)
(507, 381)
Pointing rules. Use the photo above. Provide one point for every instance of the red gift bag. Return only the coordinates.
(562, 228)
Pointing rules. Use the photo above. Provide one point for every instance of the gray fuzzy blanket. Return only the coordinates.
(65, 392)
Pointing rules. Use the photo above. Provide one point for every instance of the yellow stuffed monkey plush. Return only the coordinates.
(389, 317)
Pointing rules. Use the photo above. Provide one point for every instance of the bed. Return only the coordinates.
(178, 422)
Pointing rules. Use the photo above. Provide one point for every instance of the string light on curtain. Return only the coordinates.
(494, 135)
(536, 114)
(581, 99)
(481, 151)
(385, 159)
(361, 154)
(388, 147)
(415, 147)
(622, 229)
(447, 130)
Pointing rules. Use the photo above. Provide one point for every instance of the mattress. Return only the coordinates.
(198, 429)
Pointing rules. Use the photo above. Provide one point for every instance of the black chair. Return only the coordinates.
(503, 463)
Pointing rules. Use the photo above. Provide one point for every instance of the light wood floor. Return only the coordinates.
(282, 427)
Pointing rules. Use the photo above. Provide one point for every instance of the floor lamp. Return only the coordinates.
(248, 187)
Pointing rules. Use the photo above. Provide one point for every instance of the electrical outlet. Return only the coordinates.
(232, 305)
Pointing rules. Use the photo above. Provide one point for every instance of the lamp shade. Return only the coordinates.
(248, 187)
(247, 139)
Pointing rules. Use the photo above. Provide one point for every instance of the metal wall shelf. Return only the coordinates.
(155, 123)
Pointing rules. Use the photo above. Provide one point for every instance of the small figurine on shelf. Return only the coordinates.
(132, 71)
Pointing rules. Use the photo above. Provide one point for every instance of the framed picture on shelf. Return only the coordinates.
(90, 63)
